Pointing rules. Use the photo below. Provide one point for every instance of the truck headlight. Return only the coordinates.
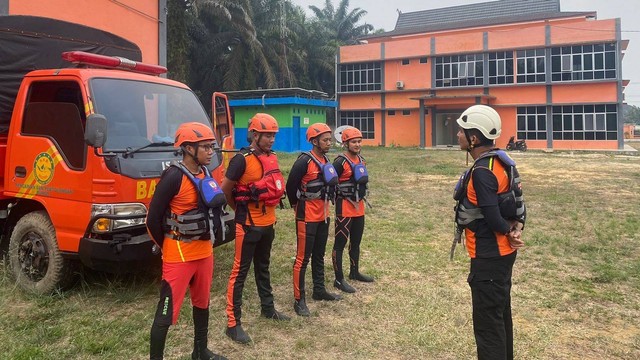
(108, 223)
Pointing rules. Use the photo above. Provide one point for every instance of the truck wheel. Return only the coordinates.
(35, 259)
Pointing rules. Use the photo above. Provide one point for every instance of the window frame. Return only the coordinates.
(363, 120)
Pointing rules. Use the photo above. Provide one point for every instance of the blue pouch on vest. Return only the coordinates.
(360, 174)
(210, 192)
(329, 174)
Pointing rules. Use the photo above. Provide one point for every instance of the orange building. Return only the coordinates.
(142, 22)
(555, 77)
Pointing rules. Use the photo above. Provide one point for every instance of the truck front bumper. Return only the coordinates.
(119, 254)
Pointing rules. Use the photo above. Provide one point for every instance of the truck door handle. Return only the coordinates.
(21, 171)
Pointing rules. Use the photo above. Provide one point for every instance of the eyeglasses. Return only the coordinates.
(206, 147)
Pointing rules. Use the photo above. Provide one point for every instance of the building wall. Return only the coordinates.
(115, 17)
(411, 60)
(289, 138)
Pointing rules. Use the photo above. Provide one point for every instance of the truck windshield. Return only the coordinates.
(141, 113)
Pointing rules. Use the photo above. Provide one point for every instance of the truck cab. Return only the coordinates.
(82, 157)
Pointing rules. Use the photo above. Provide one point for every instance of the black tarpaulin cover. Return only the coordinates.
(29, 43)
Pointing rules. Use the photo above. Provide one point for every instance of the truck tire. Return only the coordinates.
(36, 262)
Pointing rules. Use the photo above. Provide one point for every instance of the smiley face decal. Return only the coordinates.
(43, 168)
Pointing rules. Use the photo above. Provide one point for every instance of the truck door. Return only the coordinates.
(222, 125)
(47, 155)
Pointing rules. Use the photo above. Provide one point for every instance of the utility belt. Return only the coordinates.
(193, 225)
(353, 193)
(317, 189)
(349, 190)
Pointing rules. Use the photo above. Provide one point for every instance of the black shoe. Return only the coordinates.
(300, 307)
(360, 277)
(344, 286)
(206, 354)
(324, 295)
(237, 334)
(275, 315)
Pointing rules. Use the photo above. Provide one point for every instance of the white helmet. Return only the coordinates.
(483, 118)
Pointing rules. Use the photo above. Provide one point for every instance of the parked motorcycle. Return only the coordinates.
(519, 145)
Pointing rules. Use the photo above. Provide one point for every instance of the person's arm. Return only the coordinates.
(298, 170)
(338, 164)
(234, 172)
(167, 188)
(486, 187)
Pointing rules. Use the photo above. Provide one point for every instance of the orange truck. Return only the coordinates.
(83, 142)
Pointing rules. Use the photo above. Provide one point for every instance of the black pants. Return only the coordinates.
(253, 243)
(312, 244)
(348, 229)
(490, 282)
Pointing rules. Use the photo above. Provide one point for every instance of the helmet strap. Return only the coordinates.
(258, 143)
(470, 146)
(193, 156)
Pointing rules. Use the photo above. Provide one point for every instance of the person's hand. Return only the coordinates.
(515, 235)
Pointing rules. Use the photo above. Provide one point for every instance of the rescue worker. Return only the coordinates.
(309, 191)
(350, 204)
(187, 261)
(493, 235)
(253, 170)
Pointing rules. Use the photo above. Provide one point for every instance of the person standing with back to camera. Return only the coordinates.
(350, 207)
(253, 186)
(185, 239)
(490, 208)
(310, 187)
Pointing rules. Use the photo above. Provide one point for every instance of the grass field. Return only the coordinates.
(576, 292)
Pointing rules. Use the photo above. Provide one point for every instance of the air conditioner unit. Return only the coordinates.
(400, 85)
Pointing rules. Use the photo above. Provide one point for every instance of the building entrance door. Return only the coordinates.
(446, 129)
(296, 134)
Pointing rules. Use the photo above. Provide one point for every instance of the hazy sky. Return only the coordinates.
(383, 14)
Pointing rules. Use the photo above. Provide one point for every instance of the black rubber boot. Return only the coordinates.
(157, 340)
(300, 307)
(238, 335)
(344, 286)
(354, 274)
(325, 295)
(200, 338)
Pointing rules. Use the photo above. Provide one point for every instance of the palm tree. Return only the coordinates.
(341, 21)
(226, 43)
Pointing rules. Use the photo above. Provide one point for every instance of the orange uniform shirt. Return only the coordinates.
(180, 251)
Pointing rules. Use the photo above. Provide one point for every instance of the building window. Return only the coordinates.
(423, 60)
(360, 77)
(532, 123)
(406, 112)
(531, 66)
(406, 61)
(391, 112)
(585, 122)
(501, 67)
(363, 120)
(583, 62)
(459, 70)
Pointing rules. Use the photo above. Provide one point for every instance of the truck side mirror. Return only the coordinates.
(95, 132)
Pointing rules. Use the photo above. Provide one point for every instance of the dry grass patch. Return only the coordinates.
(576, 291)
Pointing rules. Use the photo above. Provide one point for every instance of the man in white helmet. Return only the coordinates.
(491, 211)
